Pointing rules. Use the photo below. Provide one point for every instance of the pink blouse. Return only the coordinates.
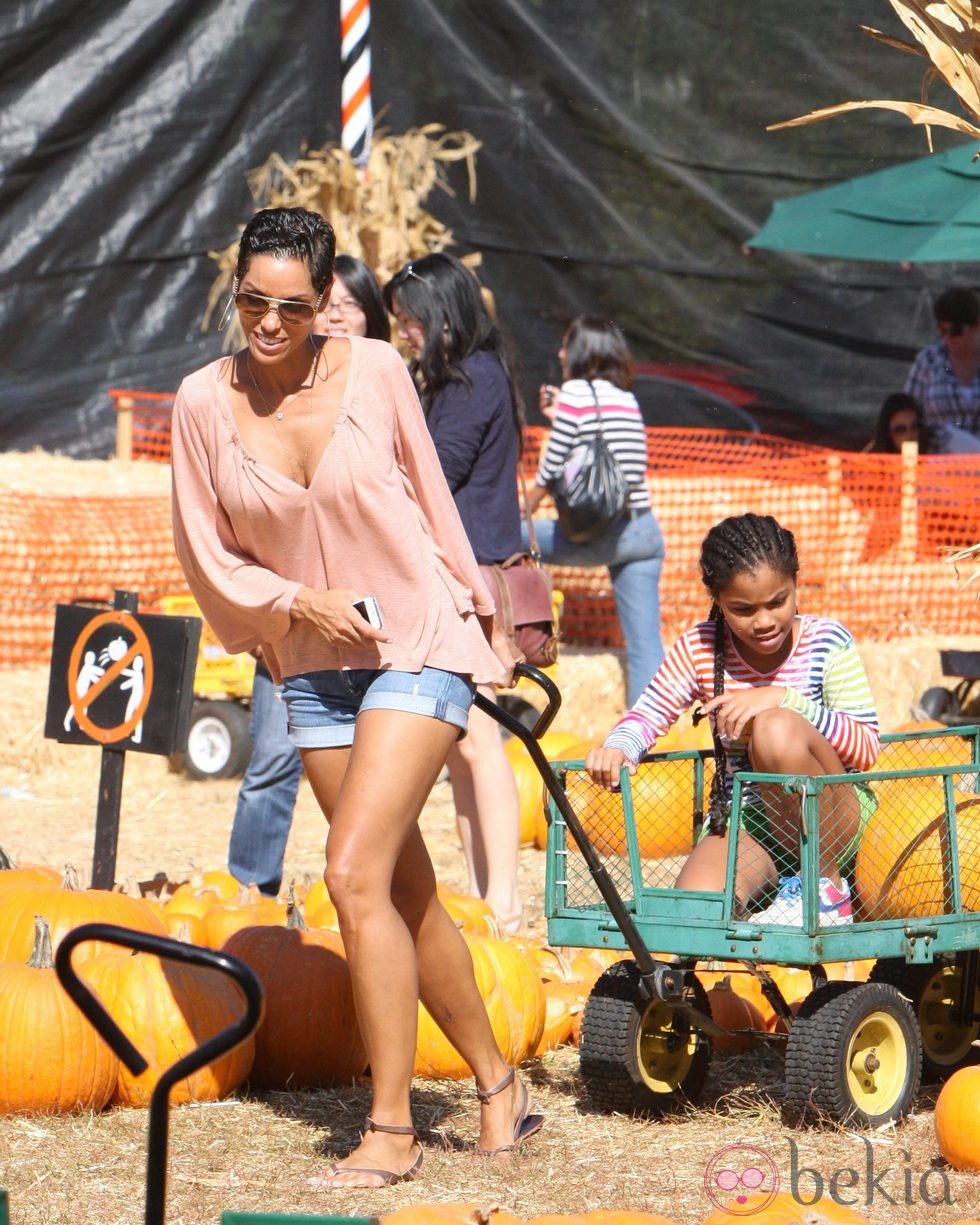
(377, 517)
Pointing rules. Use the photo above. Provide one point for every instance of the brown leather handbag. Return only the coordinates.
(523, 592)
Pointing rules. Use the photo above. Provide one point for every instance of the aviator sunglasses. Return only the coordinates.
(255, 305)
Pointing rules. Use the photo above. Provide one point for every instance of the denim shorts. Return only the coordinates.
(322, 706)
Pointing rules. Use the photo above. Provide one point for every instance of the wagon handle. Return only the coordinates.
(95, 1012)
(656, 981)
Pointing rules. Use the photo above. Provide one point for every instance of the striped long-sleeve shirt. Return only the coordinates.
(622, 428)
(823, 676)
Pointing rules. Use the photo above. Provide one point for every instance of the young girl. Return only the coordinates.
(786, 694)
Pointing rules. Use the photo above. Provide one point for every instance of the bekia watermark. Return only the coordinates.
(745, 1180)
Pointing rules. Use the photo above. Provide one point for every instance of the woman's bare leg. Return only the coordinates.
(376, 860)
(707, 865)
(783, 742)
(488, 812)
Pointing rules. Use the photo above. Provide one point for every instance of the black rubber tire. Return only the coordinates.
(218, 743)
(623, 1053)
(933, 990)
(838, 1024)
(935, 701)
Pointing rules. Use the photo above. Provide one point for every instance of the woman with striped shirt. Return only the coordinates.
(598, 372)
(786, 694)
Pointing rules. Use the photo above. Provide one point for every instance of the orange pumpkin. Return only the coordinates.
(67, 906)
(12, 877)
(782, 1209)
(167, 1009)
(732, 1010)
(563, 1001)
(187, 903)
(515, 1003)
(530, 787)
(51, 1059)
(184, 926)
(216, 880)
(250, 908)
(601, 1216)
(900, 865)
(315, 897)
(470, 914)
(308, 1035)
(663, 806)
(924, 752)
(957, 1119)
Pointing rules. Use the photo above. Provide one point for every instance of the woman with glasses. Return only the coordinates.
(267, 796)
(304, 481)
(945, 376)
(463, 371)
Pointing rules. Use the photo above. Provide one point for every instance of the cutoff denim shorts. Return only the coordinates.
(322, 706)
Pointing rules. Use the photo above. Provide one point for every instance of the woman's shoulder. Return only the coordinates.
(199, 386)
(824, 631)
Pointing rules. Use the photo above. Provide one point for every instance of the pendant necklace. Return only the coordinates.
(276, 412)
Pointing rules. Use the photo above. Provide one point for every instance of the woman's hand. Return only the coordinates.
(334, 615)
(735, 711)
(548, 400)
(509, 654)
(604, 765)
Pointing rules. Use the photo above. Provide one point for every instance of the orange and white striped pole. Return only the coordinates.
(356, 119)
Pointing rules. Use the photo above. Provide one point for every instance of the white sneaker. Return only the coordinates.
(787, 906)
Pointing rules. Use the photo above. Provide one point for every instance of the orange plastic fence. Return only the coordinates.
(872, 530)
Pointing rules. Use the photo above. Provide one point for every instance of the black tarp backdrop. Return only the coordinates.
(624, 162)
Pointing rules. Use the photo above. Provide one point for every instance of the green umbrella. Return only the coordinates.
(923, 211)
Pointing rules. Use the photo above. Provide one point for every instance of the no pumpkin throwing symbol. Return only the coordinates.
(125, 662)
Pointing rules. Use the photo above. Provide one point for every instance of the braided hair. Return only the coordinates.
(740, 544)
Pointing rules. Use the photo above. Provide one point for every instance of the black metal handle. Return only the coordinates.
(513, 724)
(220, 1044)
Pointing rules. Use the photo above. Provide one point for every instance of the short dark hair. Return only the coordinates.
(957, 306)
(445, 297)
(363, 286)
(897, 402)
(595, 348)
(290, 233)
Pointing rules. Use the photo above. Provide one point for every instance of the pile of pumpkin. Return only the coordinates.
(51, 1061)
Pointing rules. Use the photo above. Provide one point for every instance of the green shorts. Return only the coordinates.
(755, 822)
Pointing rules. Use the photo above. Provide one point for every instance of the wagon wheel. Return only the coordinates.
(853, 1054)
(934, 991)
(638, 1054)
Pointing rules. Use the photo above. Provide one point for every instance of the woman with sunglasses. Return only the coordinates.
(463, 372)
(267, 796)
(305, 480)
(945, 376)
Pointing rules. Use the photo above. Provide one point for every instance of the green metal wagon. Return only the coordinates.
(854, 1051)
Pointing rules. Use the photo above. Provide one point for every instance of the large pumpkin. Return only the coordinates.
(530, 786)
(924, 752)
(957, 1119)
(782, 1209)
(900, 870)
(309, 1034)
(65, 907)
(167, 1009)
(12, 876)
(515, 1003)
(733, 1011)
(51, 1059)
(663, 810)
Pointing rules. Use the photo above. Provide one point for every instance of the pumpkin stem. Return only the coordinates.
(5, 863)
(70, 880)
(41, 957)
(294, 914)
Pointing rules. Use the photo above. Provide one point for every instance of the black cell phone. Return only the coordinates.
(369, 609)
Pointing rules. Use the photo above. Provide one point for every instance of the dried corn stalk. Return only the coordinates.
(947, 34)
(378, 216)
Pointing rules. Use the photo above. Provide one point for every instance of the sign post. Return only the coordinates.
(120, 681)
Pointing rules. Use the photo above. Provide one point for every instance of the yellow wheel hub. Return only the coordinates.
(944, 1043)
(664, 1054)
(876, 1063)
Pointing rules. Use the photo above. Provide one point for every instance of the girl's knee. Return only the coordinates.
(777, 735)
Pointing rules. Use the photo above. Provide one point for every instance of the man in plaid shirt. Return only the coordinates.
(945, 376)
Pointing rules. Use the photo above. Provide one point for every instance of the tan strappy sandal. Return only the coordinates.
(388, 1177)
(526, 1124)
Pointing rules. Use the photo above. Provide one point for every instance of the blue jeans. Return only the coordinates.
(633, 549)
(267, 796)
